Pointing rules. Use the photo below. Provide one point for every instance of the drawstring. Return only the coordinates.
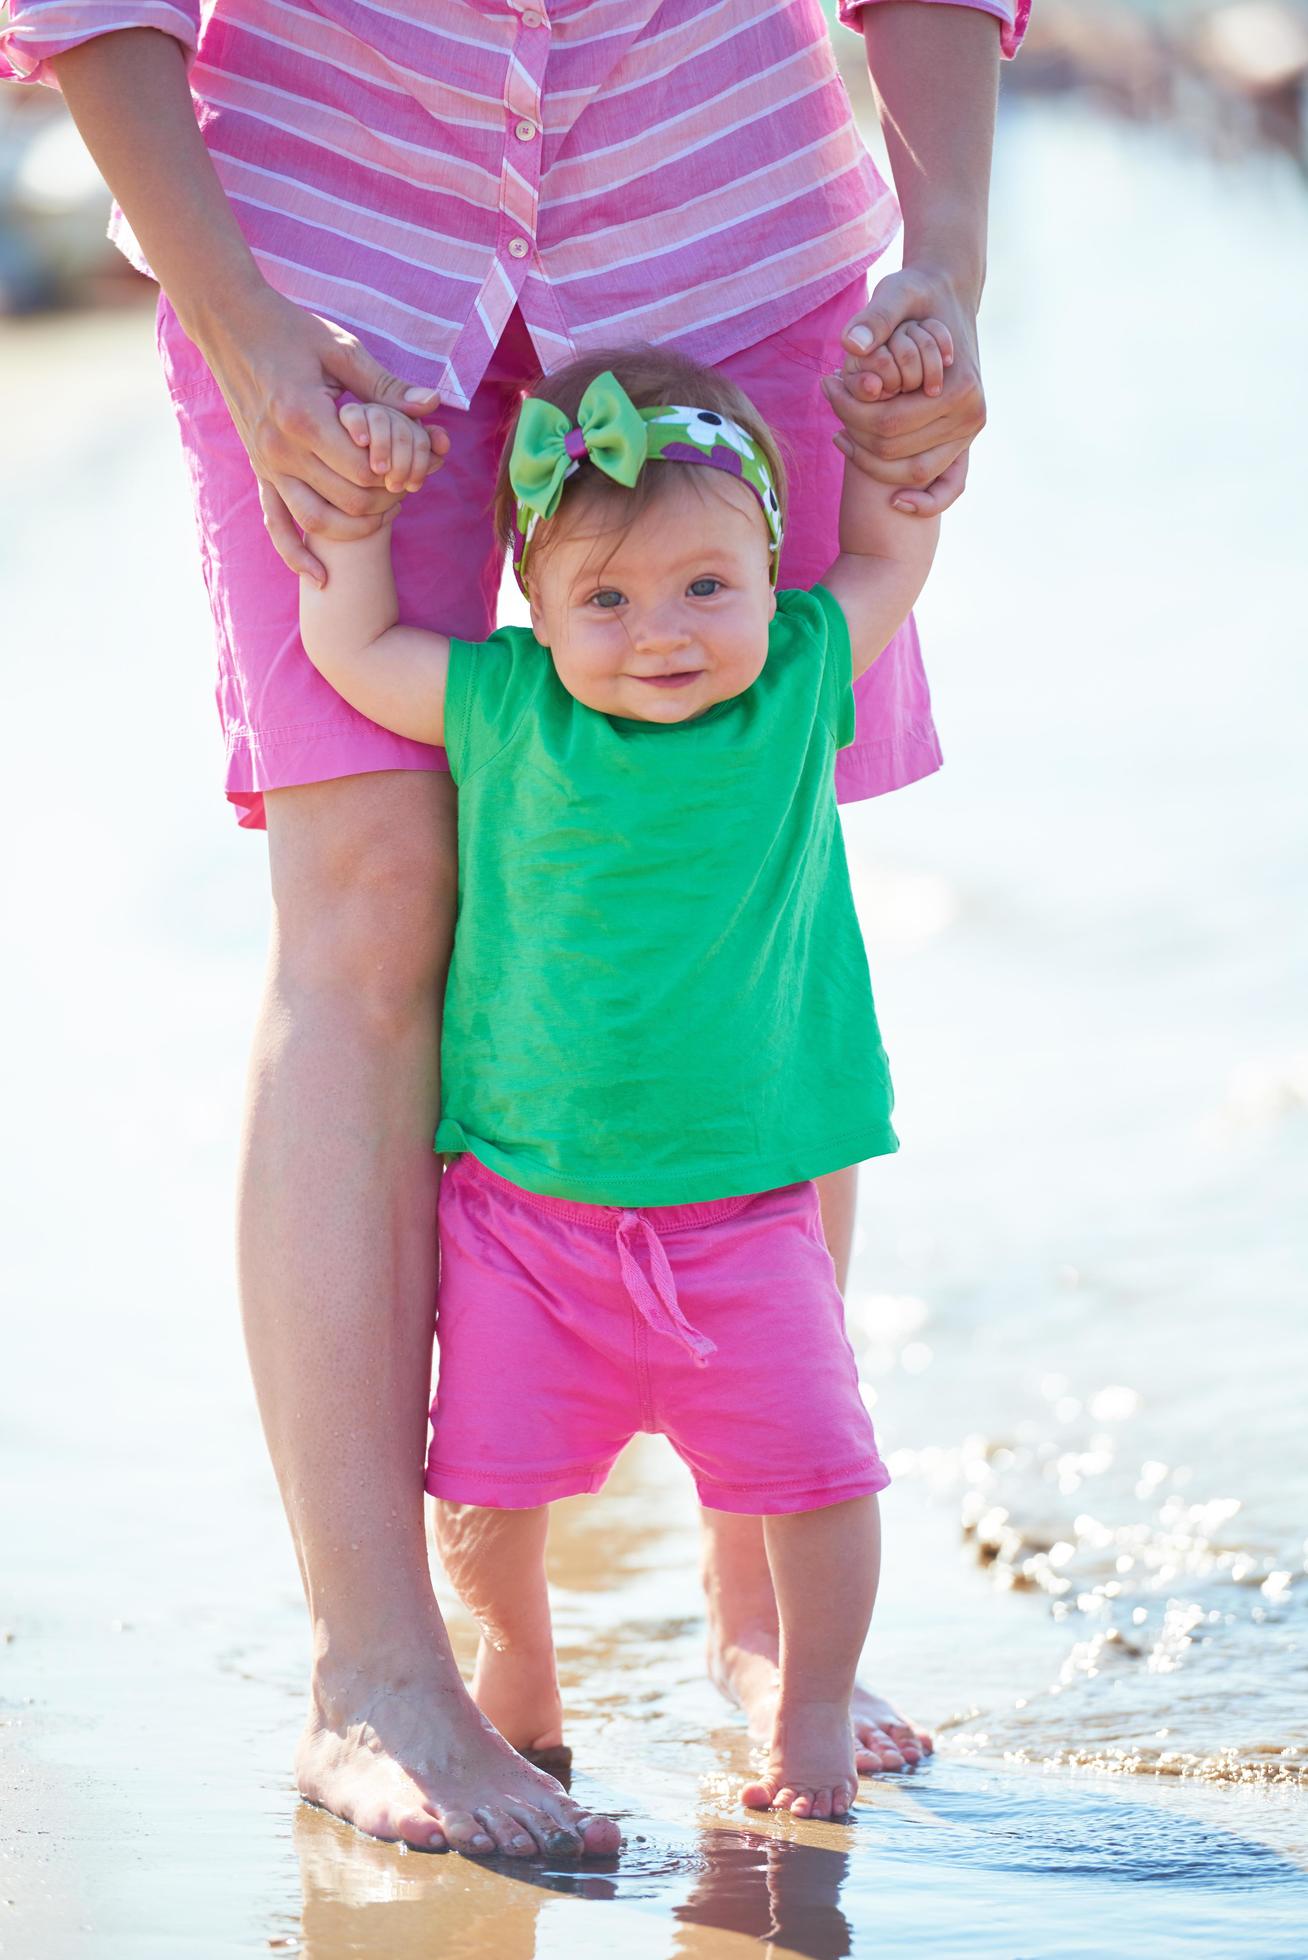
(657, 1305)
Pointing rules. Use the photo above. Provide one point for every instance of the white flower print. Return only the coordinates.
(705, 428)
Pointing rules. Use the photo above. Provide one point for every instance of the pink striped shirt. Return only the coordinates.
(657, 170)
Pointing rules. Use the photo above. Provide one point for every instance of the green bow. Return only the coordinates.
(541, 459)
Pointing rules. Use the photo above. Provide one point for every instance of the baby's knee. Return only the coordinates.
(454, 1528)
(473, 1539)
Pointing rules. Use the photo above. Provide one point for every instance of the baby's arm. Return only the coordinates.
(393, 674)
(885, 555)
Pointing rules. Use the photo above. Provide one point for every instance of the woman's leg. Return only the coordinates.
(337, 1245)
(825, 1566)
(496, 1563)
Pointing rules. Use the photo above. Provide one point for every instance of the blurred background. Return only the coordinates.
(1078, 1297)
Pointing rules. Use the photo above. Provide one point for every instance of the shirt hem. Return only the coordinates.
(716, 343)
(774, 1174)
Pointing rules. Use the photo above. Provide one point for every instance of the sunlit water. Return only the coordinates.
(1078, 1291)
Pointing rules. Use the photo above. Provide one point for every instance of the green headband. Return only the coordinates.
(619, 438)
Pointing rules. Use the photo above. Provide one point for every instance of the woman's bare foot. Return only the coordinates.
(410, 1758)
(748, 1674)
(810, 1769)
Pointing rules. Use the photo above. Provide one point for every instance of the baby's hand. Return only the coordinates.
(915, 356)
(401, 452)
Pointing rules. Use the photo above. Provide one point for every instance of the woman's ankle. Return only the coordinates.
(350, 1665)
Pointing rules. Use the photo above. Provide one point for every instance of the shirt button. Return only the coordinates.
(533, 20)
(524, 130)
(519, 247)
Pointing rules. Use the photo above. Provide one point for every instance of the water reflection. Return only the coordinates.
(823, 1891)
(783, 1893)
(361, 1897)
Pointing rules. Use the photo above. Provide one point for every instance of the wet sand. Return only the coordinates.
(1076, 1292)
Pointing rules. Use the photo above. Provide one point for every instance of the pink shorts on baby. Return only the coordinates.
(565, 1329)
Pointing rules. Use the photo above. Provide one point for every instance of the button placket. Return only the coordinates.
(520, 173)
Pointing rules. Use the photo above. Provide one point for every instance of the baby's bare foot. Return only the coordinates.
(410, 1758)
(810, 1763)
(517, 1689)
(749, 1675)
(882, 1738)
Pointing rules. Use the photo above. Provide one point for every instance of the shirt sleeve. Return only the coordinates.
(41, 29)
(1012, 16)
(489, 686)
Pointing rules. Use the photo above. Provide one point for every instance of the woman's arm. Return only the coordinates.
(393, 674)
(280, 368)
(935, 71)
(935, 74)
(129, 97)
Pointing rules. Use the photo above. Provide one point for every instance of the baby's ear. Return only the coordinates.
(538, 624)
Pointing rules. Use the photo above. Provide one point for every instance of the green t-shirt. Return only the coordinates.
(658, 993)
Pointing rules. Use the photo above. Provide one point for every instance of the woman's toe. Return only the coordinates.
(759, 1796)
(466, 1833)
(545, 1831)
(510, 1837)
(421, 1830)
(600, 1836)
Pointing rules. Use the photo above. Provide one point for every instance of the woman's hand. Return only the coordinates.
(281, 371)
(913, 439)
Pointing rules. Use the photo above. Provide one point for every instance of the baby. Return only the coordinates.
(659, 1026)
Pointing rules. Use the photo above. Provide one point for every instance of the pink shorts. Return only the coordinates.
(566, 1329)
(284, 725)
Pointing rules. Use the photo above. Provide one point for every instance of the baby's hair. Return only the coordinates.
(653, 377)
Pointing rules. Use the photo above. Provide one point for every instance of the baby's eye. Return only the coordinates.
(606, 600)
(704, 588)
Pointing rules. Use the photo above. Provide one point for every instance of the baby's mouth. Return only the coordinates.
(682, 679)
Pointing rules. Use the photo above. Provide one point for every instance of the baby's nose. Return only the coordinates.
(657, 631)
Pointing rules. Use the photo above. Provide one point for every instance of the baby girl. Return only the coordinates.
(659, 1026)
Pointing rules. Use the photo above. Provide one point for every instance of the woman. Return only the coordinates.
(473, 186)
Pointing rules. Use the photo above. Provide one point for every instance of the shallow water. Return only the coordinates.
(1078, 1289)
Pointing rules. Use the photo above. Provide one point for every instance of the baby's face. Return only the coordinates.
(661, 622)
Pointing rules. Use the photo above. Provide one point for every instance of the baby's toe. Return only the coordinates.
(875, 1751)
